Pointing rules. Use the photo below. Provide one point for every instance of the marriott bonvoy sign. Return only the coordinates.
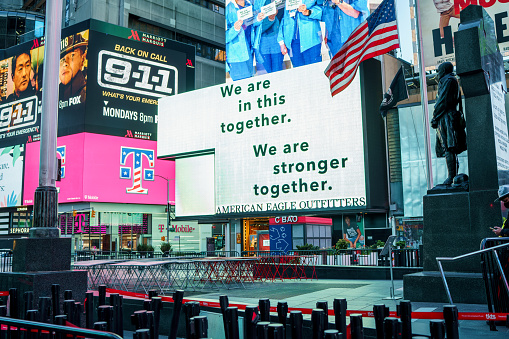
(280, 141)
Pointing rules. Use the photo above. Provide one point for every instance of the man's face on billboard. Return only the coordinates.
(70, 64)
(21, 74)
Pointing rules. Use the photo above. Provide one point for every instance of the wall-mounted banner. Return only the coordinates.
(11, 175)
(440, 19)
(105, 168)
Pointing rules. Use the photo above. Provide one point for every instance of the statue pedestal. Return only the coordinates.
(454, 224)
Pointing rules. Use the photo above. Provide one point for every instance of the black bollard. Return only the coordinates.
(100, 326)
(356, 326)
(13, 303)
(379, 315)
(120, 316)
(178, 296)
(60, 320)
(264, 306)
(45, 309)
(191, 309)
(262, 329)
(451, 321)
(296, 324)
(276, 331)
(55, 299)
(139, 319)
(282, 312)
(437, 329)
(69, 310)
(223, 303)
(200, 326)
(67, 295)
(78, 311)
(317, 316)
(32, 315)
(146, 305)
(232, 315)
(251, 318)
(152, 293)
(340, 316)
(405, 314)
(391, 328)
(114, 304)
(331, 334)
(28, 298)
(102, 295)
(142, 334)
(150, 324)
(156, 305)
(105, 313)
(324, 305)
(89, 310)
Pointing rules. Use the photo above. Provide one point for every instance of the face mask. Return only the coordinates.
(506, 204)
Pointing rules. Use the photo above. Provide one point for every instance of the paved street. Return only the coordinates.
(360, 295)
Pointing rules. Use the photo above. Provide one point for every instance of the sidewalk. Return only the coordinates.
(361, 295)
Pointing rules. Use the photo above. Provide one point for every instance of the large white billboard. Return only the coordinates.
(440, 19)
(281, 142)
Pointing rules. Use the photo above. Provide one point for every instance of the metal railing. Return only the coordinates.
(130, 255)
(345, 257)
(495, 267)
(11, 326)
(5, 260)
(493, 251)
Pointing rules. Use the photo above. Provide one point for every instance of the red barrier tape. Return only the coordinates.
(415, 315)
(4, 293)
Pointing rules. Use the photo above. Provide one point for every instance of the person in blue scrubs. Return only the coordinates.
(300, 35)
(341, 18)
(267, 50)
(239, 41)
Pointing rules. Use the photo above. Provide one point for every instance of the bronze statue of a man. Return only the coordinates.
(448, 120)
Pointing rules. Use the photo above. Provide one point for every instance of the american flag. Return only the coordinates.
(377, 35)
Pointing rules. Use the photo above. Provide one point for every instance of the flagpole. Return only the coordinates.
(424, 98)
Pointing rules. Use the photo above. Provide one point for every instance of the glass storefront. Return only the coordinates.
(254, 231)
(107, 231)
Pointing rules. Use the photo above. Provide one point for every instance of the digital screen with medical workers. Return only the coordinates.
(266, 36)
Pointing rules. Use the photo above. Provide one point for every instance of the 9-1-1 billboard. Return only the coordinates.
(109, 83)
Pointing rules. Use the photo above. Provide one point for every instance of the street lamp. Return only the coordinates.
(168, 219)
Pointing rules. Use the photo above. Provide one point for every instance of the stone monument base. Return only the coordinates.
(465, 288)
(41, 254)
(40, 283)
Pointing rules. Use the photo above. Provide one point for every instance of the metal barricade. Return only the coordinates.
(10, 326)
(495, 269)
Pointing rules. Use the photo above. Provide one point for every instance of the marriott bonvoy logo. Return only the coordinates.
(138, 154)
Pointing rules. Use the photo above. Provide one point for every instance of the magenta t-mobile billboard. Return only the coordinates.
(105, 168)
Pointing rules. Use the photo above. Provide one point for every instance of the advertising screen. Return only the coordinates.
(107, 84)
(440, 19)
(265, 36)
(128, 78)
(20, 93)
(11, 175)
(280, 143)
(106, 169)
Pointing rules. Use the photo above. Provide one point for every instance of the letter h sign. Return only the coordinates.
(136, 168)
